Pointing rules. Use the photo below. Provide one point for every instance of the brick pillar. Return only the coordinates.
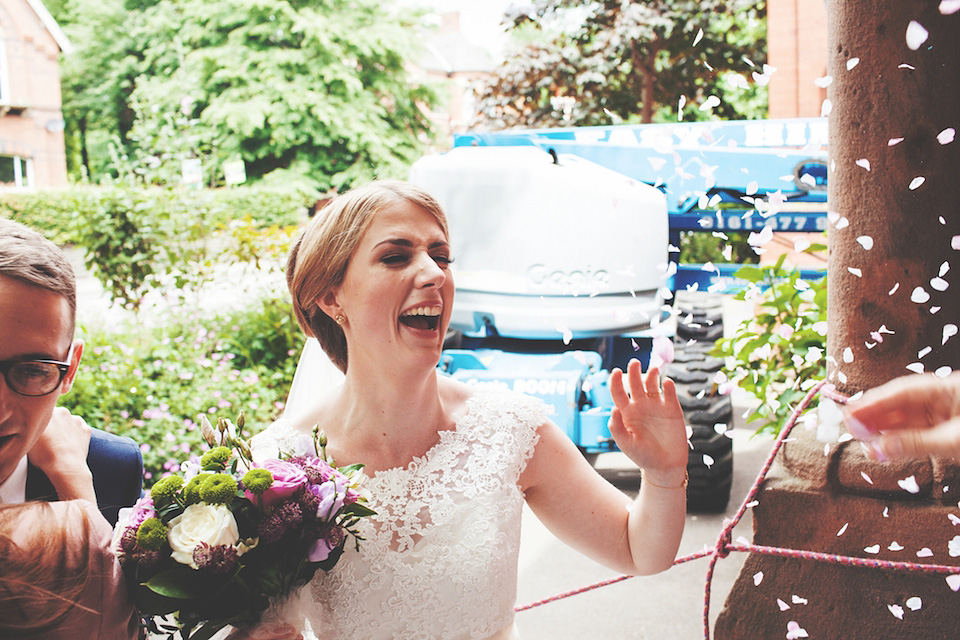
(890, 234)
(907, 203)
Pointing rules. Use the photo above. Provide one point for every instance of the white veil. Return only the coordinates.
(315, 372)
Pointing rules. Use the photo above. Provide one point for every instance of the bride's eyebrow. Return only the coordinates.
(404, 242)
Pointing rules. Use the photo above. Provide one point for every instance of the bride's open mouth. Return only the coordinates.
(426, 318)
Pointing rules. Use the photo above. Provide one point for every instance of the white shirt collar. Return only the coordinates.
(13, 490)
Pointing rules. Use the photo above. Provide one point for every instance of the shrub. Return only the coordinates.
(778, 354)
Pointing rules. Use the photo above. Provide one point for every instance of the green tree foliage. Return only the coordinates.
(294, 88)
(612, 61)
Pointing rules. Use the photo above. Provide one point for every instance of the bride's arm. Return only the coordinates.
(593, 516)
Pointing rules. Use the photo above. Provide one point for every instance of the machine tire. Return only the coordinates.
(707, 412)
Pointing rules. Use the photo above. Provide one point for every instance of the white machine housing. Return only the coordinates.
(548, 246)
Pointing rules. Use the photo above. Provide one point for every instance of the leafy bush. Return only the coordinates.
(152, 386)
(778, 354)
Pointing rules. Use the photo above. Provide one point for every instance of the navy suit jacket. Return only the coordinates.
(117, 467)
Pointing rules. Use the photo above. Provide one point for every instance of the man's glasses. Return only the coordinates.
(34, 377)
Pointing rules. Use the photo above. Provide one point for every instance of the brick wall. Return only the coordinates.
(32, 127)
(797, 47)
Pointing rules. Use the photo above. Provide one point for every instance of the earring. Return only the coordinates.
(340, 319)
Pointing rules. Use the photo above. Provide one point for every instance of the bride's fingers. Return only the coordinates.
(635, 378)
(652, 383)
(617, 391)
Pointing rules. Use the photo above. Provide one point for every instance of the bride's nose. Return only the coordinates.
(429, 273)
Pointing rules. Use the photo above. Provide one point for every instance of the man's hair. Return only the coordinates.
(27, 256)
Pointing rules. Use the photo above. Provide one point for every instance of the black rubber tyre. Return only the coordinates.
(707, 412)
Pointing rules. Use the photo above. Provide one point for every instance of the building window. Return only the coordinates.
(15, 172)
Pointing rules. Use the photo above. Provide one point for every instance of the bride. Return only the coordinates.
(450, 465)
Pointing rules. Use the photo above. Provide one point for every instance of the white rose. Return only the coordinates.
(212, 524)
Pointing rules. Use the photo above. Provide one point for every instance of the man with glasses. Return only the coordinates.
(38, 362)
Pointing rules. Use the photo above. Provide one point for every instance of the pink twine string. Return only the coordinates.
(723, 546)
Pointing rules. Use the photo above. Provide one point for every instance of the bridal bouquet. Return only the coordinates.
(212, 545)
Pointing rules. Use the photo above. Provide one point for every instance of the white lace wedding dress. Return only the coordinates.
(440, 557)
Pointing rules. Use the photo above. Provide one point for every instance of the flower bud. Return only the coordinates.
(206, 430)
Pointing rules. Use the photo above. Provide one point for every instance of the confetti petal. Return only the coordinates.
(943, 372)
(925, 553)
(944, 268)
(896, 610)
(798, 600)
(953, 581)
(867, 478)
(855, 271)
(916, 182)
(953, 518)
(848, 355)
(866, 242)
(914, 603)
(924, 351)
(707, 460)
(939, 284)
(949, 330)
(895, 546)
(916, 35)
(953, 547)
(872, 548)
(863, 162)
(699, 37)
(795, 631)
(948, 7)
(946, 136)
(757, 578)
(843, 529)
(826, 108)
(919, 295)
(955, 243)
(886, 512)
(909, 484)
(894, 141)
(894, 290)
(783, 605)
(852, 62)
(710, 103)
(842, 223)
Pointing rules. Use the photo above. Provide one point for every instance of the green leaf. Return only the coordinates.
(180, 583)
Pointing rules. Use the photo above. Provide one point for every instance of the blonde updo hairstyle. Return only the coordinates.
(319, 258)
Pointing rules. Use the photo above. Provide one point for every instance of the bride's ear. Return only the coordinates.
(329, 305)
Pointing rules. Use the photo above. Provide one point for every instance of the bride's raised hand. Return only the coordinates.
(647, 421)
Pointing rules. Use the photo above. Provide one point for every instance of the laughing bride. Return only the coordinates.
(450, 465)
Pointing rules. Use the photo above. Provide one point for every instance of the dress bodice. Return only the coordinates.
(440, 557)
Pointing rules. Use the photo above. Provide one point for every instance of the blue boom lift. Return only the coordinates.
(567, 244)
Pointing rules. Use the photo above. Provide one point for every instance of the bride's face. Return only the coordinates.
(397, 293)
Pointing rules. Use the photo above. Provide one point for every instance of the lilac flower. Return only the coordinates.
(320, 550)
(285, 517)
(220, 558)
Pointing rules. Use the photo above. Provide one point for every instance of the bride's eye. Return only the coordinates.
(395, 259)
(443, 260)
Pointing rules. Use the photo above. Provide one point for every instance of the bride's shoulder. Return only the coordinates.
(491, 398)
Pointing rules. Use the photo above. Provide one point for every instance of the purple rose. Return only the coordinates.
(321, 548)
(141, 510)
(287, 478)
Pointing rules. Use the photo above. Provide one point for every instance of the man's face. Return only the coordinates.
(34, 324)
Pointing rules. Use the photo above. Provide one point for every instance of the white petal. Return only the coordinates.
(894, 141)
(699, 37)
(948, 7)
(949, 330)
(872, 549)
(924, 351)
(914, 603)
(852, 62)
(943, 372)
(916, 367)
(939, 284)
(916, 35)
(924, 553)
(757, 578)
(894, 290)
(865, 477)
(955, 243)
(944, 268)
(842, 223)
(855, 271)
(842, 529)
(946, 136)
(895, 546)
(863, 162)
(848, 355)
(896, 610)
(710, 103)
(866, 242)
(909, 484)
(823, 82)
(826, 108)
(953, 581)
(919, 295)
(784, 606)
(916, 182)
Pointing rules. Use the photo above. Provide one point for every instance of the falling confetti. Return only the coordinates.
(894, 290)
(783, 605)
(923, 352)
(826, 108)
(919, 295)
(895, 546)
(707, 460)
(953, 581)
(757, 578)
(855, 271)
(925, 553)
(916, 35)
(914, 603)
(946, 136)
(944, 268)
(953, 519)
(886, 512)
(869, 480)
(894, 141)
(759, 239)
(948, 7)
(863, 162)
(710, 103)
(866, 242)
(955, 243)
(953, 547)
(906, 66)
(698, 38)
(896, 610)
(939, 284)
(848, 355)
(842, 223)
(943, 372)
(872, 549)
(843, 529)
(949, 330)
(795, 631)
(852, 62)
(916, 182)
(909, 484)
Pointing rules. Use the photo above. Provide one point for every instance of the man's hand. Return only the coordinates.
(61, 453)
